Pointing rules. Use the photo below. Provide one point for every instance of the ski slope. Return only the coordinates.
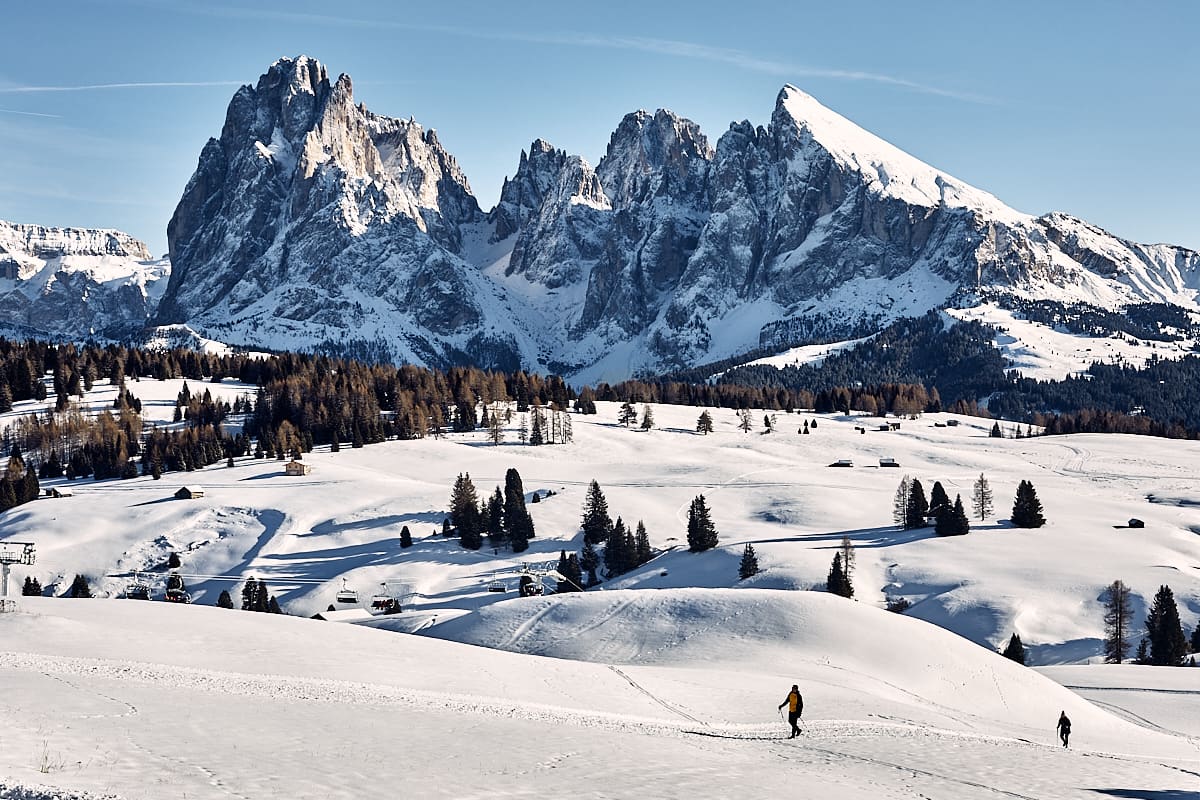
(677, 662)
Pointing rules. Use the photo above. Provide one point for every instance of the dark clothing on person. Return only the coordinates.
(1064, 728)
(795, 704)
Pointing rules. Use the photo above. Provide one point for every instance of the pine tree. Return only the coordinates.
(1195, 634)
(1168, 646)
(32, 587)
(749, 566)
(647, 417)
(616, 556)
(995, 432)
(405, 537)
(953, 521)
(173, 561)
(704, 424)
(837, 581)
(596, 521)
(1118, 614)
(1015, 650)
(249, 592)
(981, 498)
(701, 533)
(572, 576)
(589, 562)
(518, 525)
(1143, 652)
(464, 501)
(938, 499)
(1027, 509)
(917, 510)
(79, 587)
(627, 415)
(536, 434)
(262, 598)
(224, 600)
(495, 518)
(273, 606)
(900, 502)
(641, 545)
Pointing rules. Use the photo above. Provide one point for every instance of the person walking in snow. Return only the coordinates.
(1064, 727)
(795, 704)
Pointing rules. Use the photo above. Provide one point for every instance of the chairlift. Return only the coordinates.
(497, 585)
(531, 586)
(137, 589)
(346, 595)
(385, 602)
(176, 591)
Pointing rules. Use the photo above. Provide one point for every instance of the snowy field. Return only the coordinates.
(113, 696)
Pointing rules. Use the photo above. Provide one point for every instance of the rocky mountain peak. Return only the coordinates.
(653, 153)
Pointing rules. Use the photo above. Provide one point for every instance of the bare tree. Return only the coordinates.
(1118, 615)
(847, 550)
(981, 497)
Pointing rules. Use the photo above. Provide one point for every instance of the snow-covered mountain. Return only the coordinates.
(312, 219)
(68, 283)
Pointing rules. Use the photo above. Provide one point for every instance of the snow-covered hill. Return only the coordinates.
(311, 216)
(678, 661)
(72, 283)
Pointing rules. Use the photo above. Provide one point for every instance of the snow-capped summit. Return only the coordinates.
(71, 283)
(311, 216)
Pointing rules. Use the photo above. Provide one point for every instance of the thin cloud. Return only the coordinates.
(29, 113)
(666, 47)
(89, 87)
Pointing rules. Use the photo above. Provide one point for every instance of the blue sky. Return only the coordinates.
(1084, 107)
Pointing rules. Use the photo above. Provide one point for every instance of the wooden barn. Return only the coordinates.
(189, 493)
(297, 468)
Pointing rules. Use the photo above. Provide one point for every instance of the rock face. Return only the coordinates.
(311, 220)
(72, 283)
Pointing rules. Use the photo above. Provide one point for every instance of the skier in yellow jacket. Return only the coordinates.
(795, 704)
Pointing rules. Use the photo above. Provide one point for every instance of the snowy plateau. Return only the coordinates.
(663, 682)
(313, 223)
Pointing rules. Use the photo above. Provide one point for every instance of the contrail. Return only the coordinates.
(29, 113)
(103, 86)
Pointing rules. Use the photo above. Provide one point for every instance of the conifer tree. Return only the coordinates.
(1168, 646)
(1195, 633)
(273, 606)
(995, 432)
(1027, 509)
(536, 434)
(647, 417)
(249, 592)
(641, 545)
(32, 587)
(589, 562)
(938, 499)
(495, 518)
(837, 581)
(464, 501)
(495, 426)
(627, 415)
(79, 587)
(518, 525)
(981, 498)
(405, 537)
(701, 533)
(953, 521)
(616, 558)
(523, 430)
(596, 521)
(1015, 650)
(704, 424)
(224, 600)
(1143, 652)
(917, 509)
(749, 566)
(1118, 615)
(262, 598)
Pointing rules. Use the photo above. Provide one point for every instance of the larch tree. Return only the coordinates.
(627, 415)
(1118, 616)
(900, 502)
(981, 497)
(704, 424)
(647, 417)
